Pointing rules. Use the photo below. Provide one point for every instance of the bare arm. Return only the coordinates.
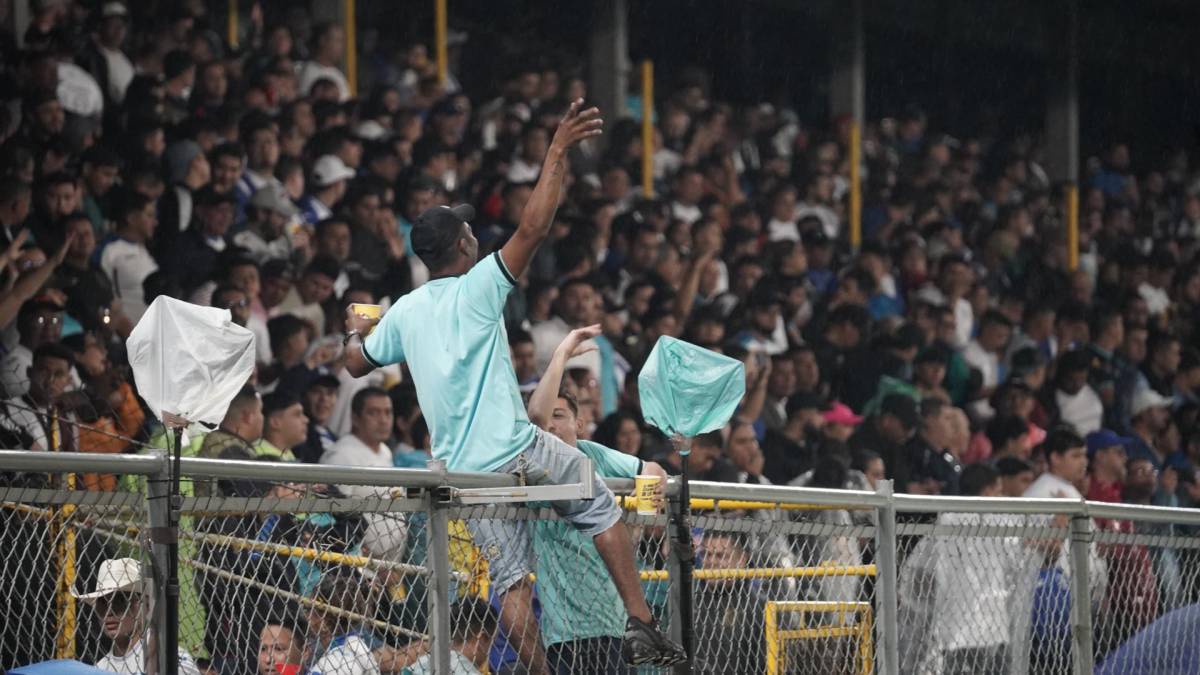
(29, 284)
(756, 397)
(543, 203)
(541, 403)
(691, 285)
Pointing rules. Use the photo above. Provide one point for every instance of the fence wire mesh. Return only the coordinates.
(987, 593)
(56, 540)
(336, 578)
(1143, 619)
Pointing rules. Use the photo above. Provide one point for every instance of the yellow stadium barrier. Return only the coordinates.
(861, 629)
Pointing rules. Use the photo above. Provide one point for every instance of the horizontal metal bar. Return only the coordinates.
(225, 506)
(79, 462)
(94, 501)
(1137, 512)
(339, 474)
(936, 504)
(782, 493)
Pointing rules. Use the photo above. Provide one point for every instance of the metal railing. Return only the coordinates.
(774, 562)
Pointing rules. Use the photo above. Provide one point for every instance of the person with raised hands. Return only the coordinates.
(451, 333)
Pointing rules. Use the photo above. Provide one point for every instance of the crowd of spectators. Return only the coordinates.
(961, 333)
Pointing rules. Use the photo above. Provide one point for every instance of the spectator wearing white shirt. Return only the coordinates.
(121, 602)
(124, 258)
(817, 203)
(974, 577)
(782, 225)
(366, 446)
(268, 214)
(1079, 406)
(30, 416)
(39, 322)
(689, 190)
(527, 164)
(104, 56)
(985, 353)
(328, 47)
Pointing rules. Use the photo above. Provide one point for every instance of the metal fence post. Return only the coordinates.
(158, 492)
(674, 563)
(438, 532)
(886, 626)
(1081, 594)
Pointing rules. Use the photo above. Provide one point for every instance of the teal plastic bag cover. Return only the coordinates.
(688, 390)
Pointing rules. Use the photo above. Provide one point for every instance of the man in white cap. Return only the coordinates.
(122, 603)
(1149, 415)
(328, 183)
(266, 237)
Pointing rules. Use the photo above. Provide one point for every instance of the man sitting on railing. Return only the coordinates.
(451, 334)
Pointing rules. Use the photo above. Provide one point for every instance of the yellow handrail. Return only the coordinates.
(770, 572)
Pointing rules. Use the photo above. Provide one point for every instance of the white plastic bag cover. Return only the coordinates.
(189, 360)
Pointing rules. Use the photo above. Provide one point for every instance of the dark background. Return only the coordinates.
(980, 66)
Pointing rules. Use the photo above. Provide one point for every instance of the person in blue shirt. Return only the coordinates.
(451, 333)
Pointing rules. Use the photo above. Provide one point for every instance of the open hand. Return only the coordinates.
(577, 125)
(579, 341)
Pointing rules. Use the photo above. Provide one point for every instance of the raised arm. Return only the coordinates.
(539, 211)
(27, 285)
(541, 403)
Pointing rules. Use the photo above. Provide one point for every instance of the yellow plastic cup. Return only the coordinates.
(645, 490)
(367, 311)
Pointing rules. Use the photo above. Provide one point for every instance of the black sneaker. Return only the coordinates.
(644, 644)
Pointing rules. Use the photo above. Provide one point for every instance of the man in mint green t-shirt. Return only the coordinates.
(582, 620)
(451, 333)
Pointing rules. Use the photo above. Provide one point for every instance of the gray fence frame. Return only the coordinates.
(422, 485)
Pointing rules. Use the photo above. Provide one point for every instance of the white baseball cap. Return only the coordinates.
(111, 9)
(116, 575)
(330, 169)
(274, 198)
(1148, 398)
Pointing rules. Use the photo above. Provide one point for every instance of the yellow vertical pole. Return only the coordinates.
(1072, 227)
(648, 128)
(231, 24)
(866, 647)
(350, 27)
(439, 39)
(855, 185)
(64, 534)
(771, 634)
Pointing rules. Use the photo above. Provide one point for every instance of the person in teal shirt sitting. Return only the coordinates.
(450, 332)
(582, 619)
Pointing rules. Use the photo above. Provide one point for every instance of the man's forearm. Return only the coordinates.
(541, 403)
(547, 194)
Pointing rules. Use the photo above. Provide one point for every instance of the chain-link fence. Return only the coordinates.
(56, 540)
(314, 566)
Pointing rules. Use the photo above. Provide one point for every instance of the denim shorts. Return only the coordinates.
(506, 543)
